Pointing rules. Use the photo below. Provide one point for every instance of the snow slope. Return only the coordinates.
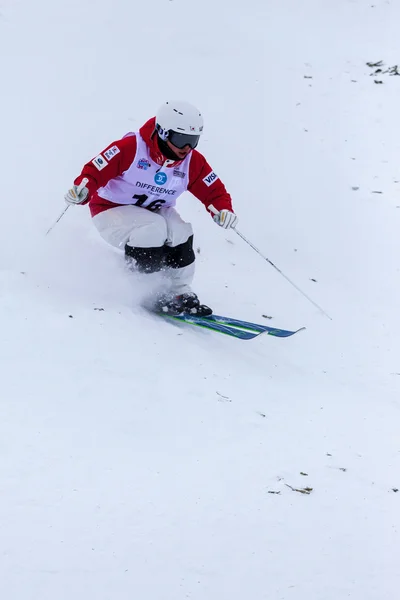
(144, 460)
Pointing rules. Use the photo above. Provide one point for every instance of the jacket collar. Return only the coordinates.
(148, 133)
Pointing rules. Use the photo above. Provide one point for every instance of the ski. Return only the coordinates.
(206, 323)
(246, 325)
(243, 330)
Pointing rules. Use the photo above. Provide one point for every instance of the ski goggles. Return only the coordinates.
(180, 140)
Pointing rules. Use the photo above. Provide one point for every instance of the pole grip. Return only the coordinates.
(213, 210)
(82, 184)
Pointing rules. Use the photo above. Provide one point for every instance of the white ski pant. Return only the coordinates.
(140, 228)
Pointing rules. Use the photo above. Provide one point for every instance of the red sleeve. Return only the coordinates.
(111, 162)
(206, 185)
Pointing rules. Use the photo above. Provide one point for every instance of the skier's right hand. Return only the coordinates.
(78, 194)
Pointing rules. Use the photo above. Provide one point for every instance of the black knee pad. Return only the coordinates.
(146, 260)
(180, 256)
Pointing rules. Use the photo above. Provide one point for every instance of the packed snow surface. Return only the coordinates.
(145, 460)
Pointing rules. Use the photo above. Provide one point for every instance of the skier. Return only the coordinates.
(132, 187)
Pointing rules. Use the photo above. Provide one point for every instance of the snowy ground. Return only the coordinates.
(143, 460)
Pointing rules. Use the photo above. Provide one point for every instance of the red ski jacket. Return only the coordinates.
(199, 169)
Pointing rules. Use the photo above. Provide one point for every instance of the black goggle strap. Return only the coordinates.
(163, 133)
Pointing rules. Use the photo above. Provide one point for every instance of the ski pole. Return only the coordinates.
(78, 191)
(212, 209)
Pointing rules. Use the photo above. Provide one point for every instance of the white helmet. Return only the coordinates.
(179, 122)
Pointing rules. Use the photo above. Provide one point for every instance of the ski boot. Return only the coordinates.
(183, 304)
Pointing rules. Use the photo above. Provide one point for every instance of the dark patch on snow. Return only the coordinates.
(306, 490)
(224, 398)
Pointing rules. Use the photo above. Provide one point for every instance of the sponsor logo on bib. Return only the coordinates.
(160, 178)
(144, 164)
(154, 189)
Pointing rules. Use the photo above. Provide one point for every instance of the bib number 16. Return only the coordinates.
(141, 199)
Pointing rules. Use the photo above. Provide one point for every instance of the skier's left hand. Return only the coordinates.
(226, 219)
